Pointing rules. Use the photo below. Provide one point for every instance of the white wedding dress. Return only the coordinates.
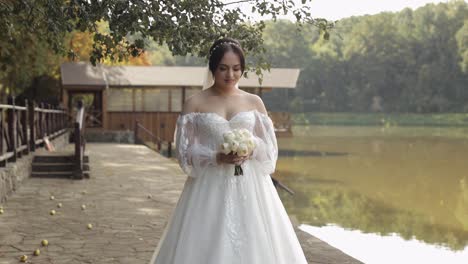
(221, 218)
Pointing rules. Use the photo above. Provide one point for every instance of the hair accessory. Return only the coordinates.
(222, 43)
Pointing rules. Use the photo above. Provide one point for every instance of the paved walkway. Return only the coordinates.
(128, 199)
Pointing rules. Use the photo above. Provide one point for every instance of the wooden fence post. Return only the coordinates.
(48, 123)
(2, 127)
(60, 119)
(135, 132)
(78, 172)
(65, 122)
(24, 126)
(64, 118)
(40, 120)
(79, 126)
(32, 125)
(12, 128)
(17, 127)
(56, 120)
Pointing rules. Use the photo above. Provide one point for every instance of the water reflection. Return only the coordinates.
(356, 211)
(416, 187)
(387, 249)
(295, 153)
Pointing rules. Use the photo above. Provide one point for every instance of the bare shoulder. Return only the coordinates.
(257, 102)
(191, 103)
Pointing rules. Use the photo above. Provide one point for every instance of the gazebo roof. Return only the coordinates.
(85, 75)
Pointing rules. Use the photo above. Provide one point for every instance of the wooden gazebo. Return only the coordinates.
(117, 96)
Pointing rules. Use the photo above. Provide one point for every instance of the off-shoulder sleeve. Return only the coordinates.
(266, 151)
(193, 157)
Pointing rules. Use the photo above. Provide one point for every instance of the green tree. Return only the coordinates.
(462, 43)
(185, 27)
(410, 61)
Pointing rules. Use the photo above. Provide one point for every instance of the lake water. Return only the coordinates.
(381, 195)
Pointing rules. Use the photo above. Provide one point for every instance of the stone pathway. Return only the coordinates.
(128, 199)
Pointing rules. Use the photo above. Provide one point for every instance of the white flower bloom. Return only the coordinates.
(242, 150)
(239, 141)
(245, 132)
(225, 148)
(250, 145)
(234, 145)
(229, 136)
(239, 138)
(229, 140)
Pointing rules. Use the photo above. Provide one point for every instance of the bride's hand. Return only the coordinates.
(231, 158)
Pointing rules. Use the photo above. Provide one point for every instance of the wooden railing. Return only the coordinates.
(25, 127)
(146, 137)
(80, 142)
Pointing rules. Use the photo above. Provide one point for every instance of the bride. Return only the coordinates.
(222, 218)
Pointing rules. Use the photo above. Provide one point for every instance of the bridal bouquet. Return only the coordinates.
(239, 142)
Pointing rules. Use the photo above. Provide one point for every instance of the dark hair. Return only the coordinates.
(220, 47)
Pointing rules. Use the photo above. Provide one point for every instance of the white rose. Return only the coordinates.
(225, 148)
(240, 138)
(228, 136)
(245, 132)
(229, 141)
(234, 145)
(237, 135)
(242, 150)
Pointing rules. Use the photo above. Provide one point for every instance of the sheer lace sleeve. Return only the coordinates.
(192, 156)
(266, 151)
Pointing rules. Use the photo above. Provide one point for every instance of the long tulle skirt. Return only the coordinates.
(225, 219)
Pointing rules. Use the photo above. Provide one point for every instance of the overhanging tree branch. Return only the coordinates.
(187, 27)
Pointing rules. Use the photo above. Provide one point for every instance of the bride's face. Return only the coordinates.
(229, 71)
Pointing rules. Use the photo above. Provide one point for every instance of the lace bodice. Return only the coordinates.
(211, 126)
(199, 136)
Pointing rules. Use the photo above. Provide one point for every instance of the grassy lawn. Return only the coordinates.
(381, 119)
